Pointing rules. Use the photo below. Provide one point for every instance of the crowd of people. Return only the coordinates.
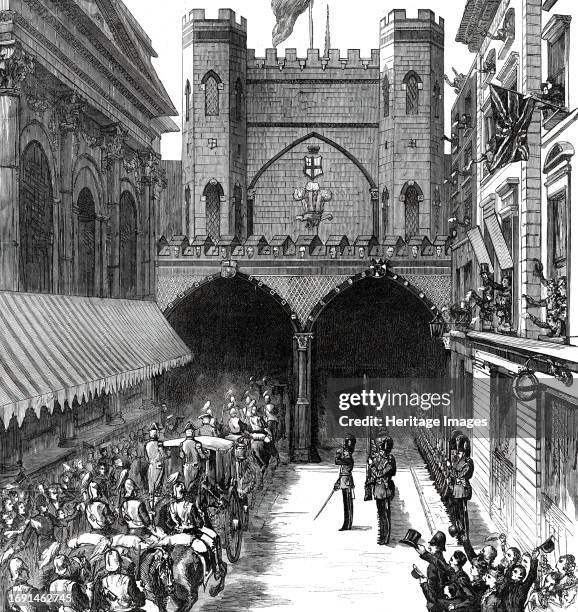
(516, 582)
(116, 501)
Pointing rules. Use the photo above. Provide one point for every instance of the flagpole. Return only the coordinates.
(311, 24)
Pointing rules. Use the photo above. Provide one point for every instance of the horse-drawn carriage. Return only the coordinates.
(224, 490)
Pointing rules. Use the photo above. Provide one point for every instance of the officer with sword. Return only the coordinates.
(344, 459)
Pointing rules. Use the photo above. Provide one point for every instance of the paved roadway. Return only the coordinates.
(290, 562)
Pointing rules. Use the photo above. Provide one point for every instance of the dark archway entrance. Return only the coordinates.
(377, 328)
(235, 330)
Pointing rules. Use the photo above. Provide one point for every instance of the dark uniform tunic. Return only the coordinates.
(345, 480)
(382, 468)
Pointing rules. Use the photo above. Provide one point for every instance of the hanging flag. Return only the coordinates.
(286, 13)
(512, 113)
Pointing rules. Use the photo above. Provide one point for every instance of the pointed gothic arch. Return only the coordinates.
(212, 84)
(213, 193)
(412, 84)
(296, 143)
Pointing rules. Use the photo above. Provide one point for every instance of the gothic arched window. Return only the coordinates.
(86, 242)
(187, 100)
(385, 95)
(212, 194)
(128, 246)
(212, 84)
(238, 210)
(412, 85)
(238, 100)
(36, 218)
(411, 196)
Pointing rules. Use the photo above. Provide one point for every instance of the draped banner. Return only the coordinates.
(286, 12)
(512, 112)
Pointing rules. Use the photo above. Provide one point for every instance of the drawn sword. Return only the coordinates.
(325, 504)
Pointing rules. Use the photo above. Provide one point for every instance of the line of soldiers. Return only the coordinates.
(452, 476)
(512, 584)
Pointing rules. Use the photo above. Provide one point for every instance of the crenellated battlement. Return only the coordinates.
(314, 60)
(224, 16)
(398, 17)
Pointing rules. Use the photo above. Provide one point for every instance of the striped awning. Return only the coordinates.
(477, 241)
(499, 242)
(54, 348)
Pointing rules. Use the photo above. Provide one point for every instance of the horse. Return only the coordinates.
(155, 571)
(188, 568)
(263, 450)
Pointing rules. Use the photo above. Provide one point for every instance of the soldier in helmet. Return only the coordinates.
(133, 512)
(344, 459)
(65, 590)
(22, 596)
(156, 464)
(192, 455)
(462, 470)
(381, 468)
(117, 591)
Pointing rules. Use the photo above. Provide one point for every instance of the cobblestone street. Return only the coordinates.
(290, 562)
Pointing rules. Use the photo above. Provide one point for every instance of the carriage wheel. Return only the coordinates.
(233, 529)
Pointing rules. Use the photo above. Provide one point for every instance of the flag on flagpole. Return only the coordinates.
(512, 112)
(286, 12)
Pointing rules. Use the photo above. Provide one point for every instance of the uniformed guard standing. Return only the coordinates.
(381, 468)
(155, 457)
(344, 458)
(191, 453)
(462, 470)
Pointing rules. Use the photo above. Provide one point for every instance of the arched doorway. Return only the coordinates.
(86, 242)
(377, 328)
(235, 329)
(36, 221)
(128, 246)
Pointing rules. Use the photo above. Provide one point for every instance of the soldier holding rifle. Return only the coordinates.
(381, 468)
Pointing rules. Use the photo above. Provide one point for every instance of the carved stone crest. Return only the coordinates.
(15, 65)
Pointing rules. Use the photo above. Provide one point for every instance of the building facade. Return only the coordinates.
(377, 124)
(514, 252)
(82, 112)
(297, 173)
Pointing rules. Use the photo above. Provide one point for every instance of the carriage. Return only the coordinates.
(224, 494)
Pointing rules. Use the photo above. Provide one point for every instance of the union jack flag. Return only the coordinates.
(512, 112)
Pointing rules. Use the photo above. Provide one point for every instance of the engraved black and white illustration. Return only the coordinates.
(287, 306)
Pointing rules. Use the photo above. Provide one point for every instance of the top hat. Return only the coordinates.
(416, 573)
(547, 546)
(439, 539)
(412, 538)
(484, 268)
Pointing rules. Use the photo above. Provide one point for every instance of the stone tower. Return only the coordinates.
(214, 124)
(411, 164)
